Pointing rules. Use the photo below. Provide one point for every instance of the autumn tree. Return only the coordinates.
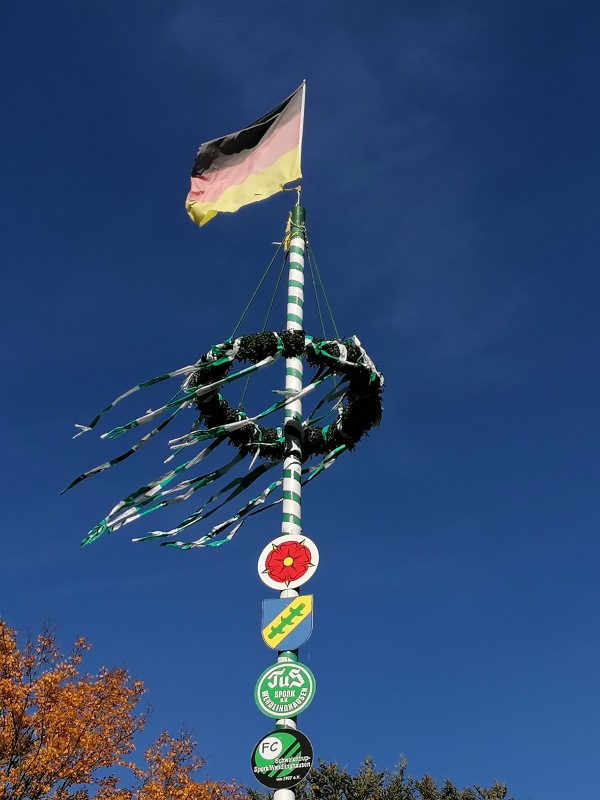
(63, 734)
(331, 782)
(171, 765)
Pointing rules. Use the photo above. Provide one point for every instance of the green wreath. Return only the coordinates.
(361, 401)
(357, 399)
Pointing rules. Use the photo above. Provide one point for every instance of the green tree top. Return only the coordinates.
(331, 782)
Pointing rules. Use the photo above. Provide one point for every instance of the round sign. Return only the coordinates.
(288, 562)
(282, 758)
(285, 690)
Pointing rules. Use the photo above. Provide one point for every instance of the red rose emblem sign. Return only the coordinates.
(288, 562)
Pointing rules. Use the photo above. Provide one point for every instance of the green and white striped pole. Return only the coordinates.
(291, 518)
(291, 522)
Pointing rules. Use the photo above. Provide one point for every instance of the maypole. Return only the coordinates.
(235, 170)
(283, 758)
(291, 517)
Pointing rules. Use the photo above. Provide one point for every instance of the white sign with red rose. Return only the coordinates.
(288, 562)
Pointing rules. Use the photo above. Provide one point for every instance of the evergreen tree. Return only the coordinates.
(331, 782)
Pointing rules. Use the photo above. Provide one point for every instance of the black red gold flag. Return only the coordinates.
(249, 165)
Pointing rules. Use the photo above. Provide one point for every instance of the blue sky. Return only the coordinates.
(451, 185)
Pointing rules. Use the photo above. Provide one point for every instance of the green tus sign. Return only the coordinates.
(284, 690)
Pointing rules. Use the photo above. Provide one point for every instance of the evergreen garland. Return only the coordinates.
(361, 406)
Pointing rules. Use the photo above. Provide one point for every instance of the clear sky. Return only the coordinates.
(451, 176)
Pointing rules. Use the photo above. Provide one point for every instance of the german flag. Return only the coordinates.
(249, 165)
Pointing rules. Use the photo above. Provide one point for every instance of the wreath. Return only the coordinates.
(356, 397)
(361, 401)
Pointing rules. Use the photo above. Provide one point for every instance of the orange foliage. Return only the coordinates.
(62, 733)
(171, 764)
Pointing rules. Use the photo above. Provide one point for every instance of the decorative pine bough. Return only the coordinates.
(356, 397)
